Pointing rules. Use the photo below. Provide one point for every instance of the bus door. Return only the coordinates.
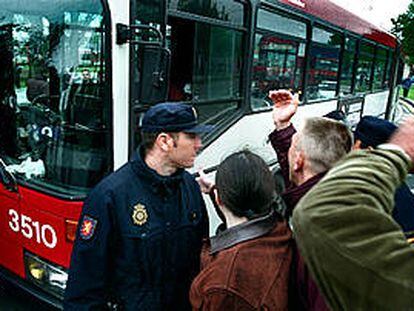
(149, 60)
(207, 47)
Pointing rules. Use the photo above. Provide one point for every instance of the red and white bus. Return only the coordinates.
(76, 76)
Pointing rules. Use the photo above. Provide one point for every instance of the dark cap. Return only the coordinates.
(172, 117)
(337, 115)
(373, 131)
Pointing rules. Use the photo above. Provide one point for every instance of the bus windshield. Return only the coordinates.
(54, 101)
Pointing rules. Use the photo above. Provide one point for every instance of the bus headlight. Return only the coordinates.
(50, 277)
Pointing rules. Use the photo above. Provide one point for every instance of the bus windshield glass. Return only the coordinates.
(54, 101)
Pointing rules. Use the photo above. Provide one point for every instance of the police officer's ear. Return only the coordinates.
(162, 142)
(165, 141)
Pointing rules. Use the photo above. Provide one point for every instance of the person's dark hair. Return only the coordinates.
(245, 185)
(148, 139)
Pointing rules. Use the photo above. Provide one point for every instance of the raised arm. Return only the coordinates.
(285, 106)
(356, 252)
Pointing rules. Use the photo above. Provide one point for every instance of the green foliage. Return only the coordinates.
(404, 29)
(410, 94)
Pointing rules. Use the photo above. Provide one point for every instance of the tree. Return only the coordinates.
(404, 29)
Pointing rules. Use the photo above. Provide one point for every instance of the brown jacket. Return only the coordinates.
(245, 268)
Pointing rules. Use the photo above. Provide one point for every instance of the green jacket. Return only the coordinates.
(355, 251)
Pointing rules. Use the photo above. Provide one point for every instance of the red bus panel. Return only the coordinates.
(340, 17)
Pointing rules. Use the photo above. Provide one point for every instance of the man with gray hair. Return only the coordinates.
(304, 157)
(354, 249)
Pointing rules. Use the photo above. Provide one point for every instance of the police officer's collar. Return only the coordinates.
(143, 170)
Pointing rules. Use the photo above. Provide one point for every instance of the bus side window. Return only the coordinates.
(347, 66)
(278, 58)
(182, 59)
(379, 69)
(365, 65)
(324, 67)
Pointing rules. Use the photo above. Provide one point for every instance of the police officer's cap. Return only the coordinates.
(173, 117)
(373, 131)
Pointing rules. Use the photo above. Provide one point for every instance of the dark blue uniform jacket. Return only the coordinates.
(145, 266)
(403, 212)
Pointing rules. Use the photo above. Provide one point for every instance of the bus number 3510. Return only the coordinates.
(42, 233)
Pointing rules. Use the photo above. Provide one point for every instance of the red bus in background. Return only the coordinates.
(77, 75)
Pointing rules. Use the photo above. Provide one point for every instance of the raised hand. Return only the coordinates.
(285, 106)
(204, 182)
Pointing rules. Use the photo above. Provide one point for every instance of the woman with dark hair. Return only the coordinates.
(246, 265)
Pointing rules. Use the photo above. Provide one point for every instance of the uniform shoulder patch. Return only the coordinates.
(88, 227)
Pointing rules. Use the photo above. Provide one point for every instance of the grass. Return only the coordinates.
(410, 94)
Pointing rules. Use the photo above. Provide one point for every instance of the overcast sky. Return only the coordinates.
(378, 12)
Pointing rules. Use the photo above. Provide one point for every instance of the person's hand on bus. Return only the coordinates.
(206, 184)
(285, 106)
(403, 137)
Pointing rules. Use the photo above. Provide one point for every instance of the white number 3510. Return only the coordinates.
(44, 234)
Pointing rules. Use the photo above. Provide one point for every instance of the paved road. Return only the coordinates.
(12, 299)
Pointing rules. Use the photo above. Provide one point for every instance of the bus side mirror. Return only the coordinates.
(154, 62)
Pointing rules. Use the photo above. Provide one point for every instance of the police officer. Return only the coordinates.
(141, 228)
(370, 133)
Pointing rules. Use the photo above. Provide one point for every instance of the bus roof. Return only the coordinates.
(340, 17)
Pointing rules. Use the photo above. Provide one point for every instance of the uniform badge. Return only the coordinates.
(139, 215)
(88, 227)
